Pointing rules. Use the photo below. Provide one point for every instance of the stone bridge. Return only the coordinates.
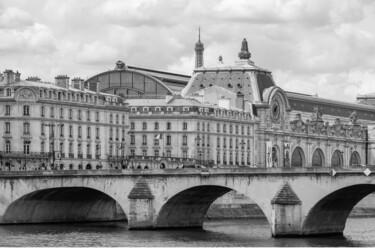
(296, 202)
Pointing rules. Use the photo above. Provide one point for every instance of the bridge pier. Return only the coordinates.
(286, 213)
(141, 206)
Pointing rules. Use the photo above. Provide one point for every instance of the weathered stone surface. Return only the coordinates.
(141, 190)
(286, 196)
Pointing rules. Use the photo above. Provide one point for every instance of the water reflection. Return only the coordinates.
(230, 233)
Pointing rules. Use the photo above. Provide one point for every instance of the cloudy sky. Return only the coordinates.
(311, 46)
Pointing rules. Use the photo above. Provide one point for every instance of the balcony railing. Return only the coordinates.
(21, 154)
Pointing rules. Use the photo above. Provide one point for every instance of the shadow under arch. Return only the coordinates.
(329, 215)
(189, 207)
(62, 205)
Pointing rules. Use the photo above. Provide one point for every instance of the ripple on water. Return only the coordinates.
(359, 232)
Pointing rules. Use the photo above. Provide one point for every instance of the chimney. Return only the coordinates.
(77, 83)
(240, 100)
(17, 77)
(62, 81)
(9, 76)
(33, 79)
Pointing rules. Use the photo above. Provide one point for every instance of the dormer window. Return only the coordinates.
(185, 109)
(145, 109)
(170, 109)
(133, 109)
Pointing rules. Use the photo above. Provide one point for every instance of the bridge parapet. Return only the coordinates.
(209, 171)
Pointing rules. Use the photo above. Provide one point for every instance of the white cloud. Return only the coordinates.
(323, 46)
(12, 17)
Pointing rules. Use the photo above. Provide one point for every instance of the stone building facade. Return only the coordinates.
(59, 125)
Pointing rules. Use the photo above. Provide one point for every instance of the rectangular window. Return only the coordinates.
(144, 152)
(52, 114)
(61, 113)
(8, 148)
(7, 110)
(144, 126)
(97, 133)
(61, 131)
(144, 140)
(70, 114)
(184, 127)
(88, 115)
(70, 131)
(79, 114)
(184, 140)
(184, 154)
(26, 110)
(26, 147)
(169, 140)
(7, 128)
(218, 127)
(97, 116)
(132, 139)
(169, 153)
(88, 132)
(79, 132)
(132, 126)
(169, 126)
(218, 142)
(42, 129)
(156, 126)
(26, 128)
(156, 153)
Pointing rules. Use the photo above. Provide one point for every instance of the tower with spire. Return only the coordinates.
(199, 48)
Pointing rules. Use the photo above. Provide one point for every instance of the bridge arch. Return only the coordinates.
(63, 204)
(188, 207)
(298, 157)
(329, 214)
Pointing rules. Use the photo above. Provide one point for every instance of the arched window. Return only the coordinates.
(318, 158)
(355, 159)
(298, 158)
(336, 159)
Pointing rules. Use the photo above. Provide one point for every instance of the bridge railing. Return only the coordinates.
(205, 172)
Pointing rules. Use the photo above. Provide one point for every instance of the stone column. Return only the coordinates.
(141, 210)
(286, 213)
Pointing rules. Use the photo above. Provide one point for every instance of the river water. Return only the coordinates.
(359, 232)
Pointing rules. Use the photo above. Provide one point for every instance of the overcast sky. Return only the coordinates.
(317, 46)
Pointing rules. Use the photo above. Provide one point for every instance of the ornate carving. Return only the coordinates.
(318, 127)
(353, 118)
(317, 114)
(26, 94)
(297, 125)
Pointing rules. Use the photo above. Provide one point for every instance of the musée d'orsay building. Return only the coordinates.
(221, 116)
